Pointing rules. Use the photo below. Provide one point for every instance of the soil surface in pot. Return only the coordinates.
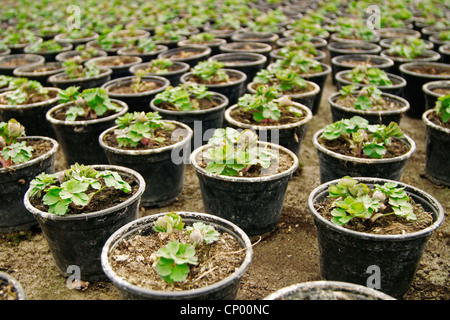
(278, 260)
(341, 145)
(33, 98)
(203, 104)
(127, 88)
(286, 117)
(437, 120)
(430, 70)
(16, 62)
(348, 102)
(355, 63)
(7, 290)
(46, 68)
(115, 61)
(387, 225)
(110, 139)
(196, 79)
(442, 91)
(132, 260)
(293, 91)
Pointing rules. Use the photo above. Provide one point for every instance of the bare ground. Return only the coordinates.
(287, 256)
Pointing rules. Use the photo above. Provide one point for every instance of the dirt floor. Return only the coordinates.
(287, 256)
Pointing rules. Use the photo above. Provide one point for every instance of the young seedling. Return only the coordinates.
(45, 46)
(411, 48)
(233, 153)
(369, 76)
(284, 79)
(210, 71)
(368, 98)
(443, 108)
(298, 61)
(202, 38)
(76, 187)
(356, 200)
(202, 233)
(140, 128)
(159, 66)
(24, 90)
(184, 97)
(75, 69)
(91, 103)
(143, 45)
(361, 137)
(12, 151)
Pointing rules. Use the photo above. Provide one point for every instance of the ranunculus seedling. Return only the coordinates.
(443, 108)
(184, 97)
(12, 151)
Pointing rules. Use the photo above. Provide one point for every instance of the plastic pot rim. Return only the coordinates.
(147, 151)
(241, 74)
(431, 56)
(16, 284)
(66, 46)
(335, 37)
(404, 102)
(104, 72)
(34, 59)
(374, 50)
(122, 283)
(410, 32)
(368, 236)
(326, 69)
(385, 43)
(404, 69)
(320, 54)
(388, 62)
(206, 51)
(276, 176)
(430, 124)
(314, 92)
(187, 42)
(184, 65)
(322, 41)
(76, 123)
(122, 66)
(18, 166)
(61, 37)
(159, 48)
(445, 49)
(260, 47)
(24, 71)
(128, 79)
(427, 87)
(260, 59)
(297, 105)
(30, 105)
(401, 80)
(61, 57)
(94, 214)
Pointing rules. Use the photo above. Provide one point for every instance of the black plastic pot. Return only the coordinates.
(135, 101)
(162, 168)
(250, 36)
(327, 290)
(333, 165)
(29, 59)
(14, 182)
(120, 70)
(427, 56)
(31, 116)
(335, 38)
(79, 139)
(341, 62)
(219, 33)
(111, 51)
(145, 56)
(232, 90)
(30, 72)
(275, 54)
(62, 81)
(445, 53)
(437, 155)
(437, 42)
(75, 42)
(225, 289)
(387, 43)
(253, 204)
(317, 42)
(5, 52)
(171, 44)
(214, 45)
(289, 135)
(385, 117)
(202, 122)
(397, 87)
(306, 98)
(386, 33)
(49, 56)
(341, 48)
(431, 96)
(64, 56)
(247, 47)
(78, 239)
(200, 53)
(346, 255)
(432, 29)
(413, 93)
(248, 63)
(18, 48)
(173, 76)
(6, 279)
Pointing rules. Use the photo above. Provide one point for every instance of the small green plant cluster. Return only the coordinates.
(368, 98)
(369, 76)
(81, 33)
(443, 108)
(11, 150)
(284, 79)
(305, 47)
(202, 37)
(45, 46)
(12, 36)
(298, 61)
(75, 69)
(268, 21)
(166, 32)
(444, 35)
(6, 81)
(358, 31)
(172, 261)
(143, 45)
(86, 53)
(356, 200)
(184, 97)
(76, 187)
(362, 138)
(158, 66)
(411, 48)
(140, 127)
(210, 71)
(90, 103)
(24, 90)
(109, 41)
(233, 153)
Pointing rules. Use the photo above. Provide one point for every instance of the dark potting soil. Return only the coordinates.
(146, 85)
(212, 81)
(14, 63)
(442, 91)
(355, 63)
(40, 147)
(115, 61)
(45, 68)
(295, 90)
(387, 225)
(433, 117)
(107, 198)
(7, 290)
(286, 117)
(60, 114)
(184, 54)
(33, 98)
(111, 140)
(348, 102)
(430, 70)
(342, 146)
(172, 68)
(133, 260)
(203, 104)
